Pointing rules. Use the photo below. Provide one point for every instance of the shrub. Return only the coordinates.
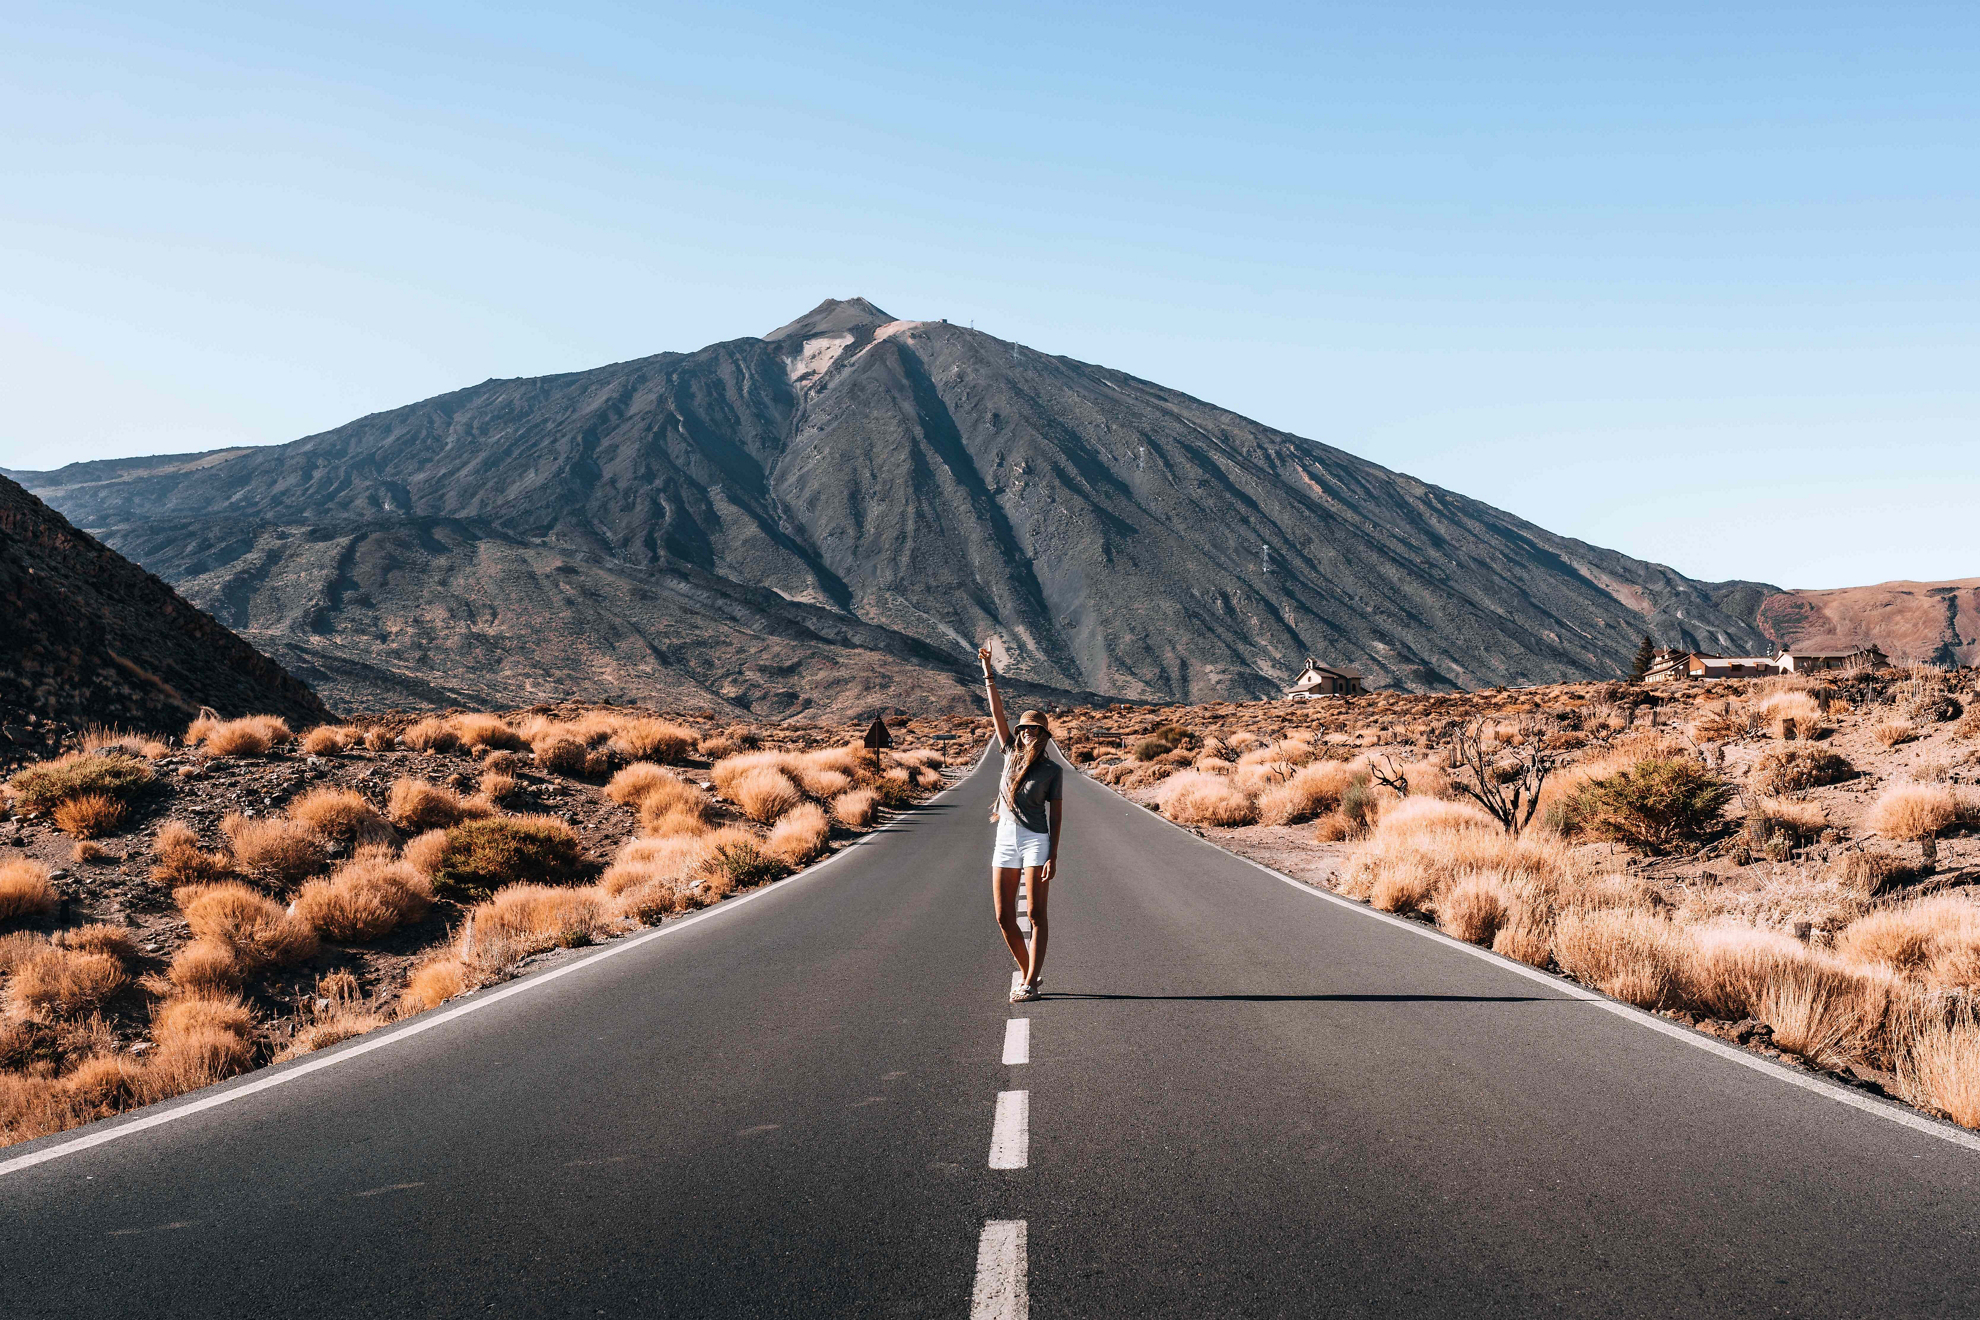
(416, 806)
(497, 787)
(1934, 708)
(1797, 822)
(737, 860)
(561, 756)
(41, 788)
(89, 815)
(1150, 748)
(1359, 806)
(337, 1012)
(799, 835)
(824, 783)
(1870, 873)
(25, 890)
(431, 735)
(431, 984)
(630, 786)
(339, 814)
(1312, 791)
(199, 1041)
(856, 810)
(1333, 827)
(1792, 714)
(251, 735)
(481, 856)
(257, 931)
(181, 862)
(380, 739)
(1798, 769)
(1474, 908)
(206, 967)
(116, 941)
(1913, 811)
(1194, 798)
(1653, 803)
(53, 982)
(366, 898)
(274, 850)
(328, 740)
(764, 794)
(1892, 732)
(1634, 957)
(525, 919)
(1173, 734)
(423, 851)
(479, 732)
(1939, 1067)
(645, 739)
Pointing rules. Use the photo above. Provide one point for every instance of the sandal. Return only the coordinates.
(1022, 993)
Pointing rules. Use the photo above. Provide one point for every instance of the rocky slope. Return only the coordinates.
(90, 638)
(872, 498)
(1935, 622)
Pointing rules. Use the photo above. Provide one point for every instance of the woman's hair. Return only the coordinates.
(1028, 748)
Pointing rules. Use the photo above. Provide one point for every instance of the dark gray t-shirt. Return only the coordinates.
(1043, 783)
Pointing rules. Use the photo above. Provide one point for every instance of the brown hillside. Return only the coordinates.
(1938, 622)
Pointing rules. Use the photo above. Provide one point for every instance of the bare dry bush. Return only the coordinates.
(645, 739)
(54, 982)
(251, 735)
(339, 814)
(765, 793)
(1938, 1067)
(1474, 907)
(1635, 957)
(856, 810)
(257, 931)
(335, 1013)
(273, 850)
(90, 815)
(1913, 811)
(799, 835)
(328, 740)
(366, 898)
(433, 983)
(431, 735)
(25, 890)
(206, 967)
(415, 806)
(1312, 791)
(1893, 732)
(1194, 798)
(181, 862)
(480, 733)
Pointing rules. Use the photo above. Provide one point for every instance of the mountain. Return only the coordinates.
(866, 499)
(91, 638)
(1934, 622)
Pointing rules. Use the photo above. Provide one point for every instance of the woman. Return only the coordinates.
(1029, 811)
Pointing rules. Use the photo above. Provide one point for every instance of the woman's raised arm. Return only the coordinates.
(996, 697)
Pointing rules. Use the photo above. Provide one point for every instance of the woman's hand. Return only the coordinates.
(983, 655)
(1050, 869)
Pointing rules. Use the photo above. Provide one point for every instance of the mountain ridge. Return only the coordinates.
(1102, 533)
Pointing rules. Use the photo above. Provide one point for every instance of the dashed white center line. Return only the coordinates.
(1017, 1041)
(1002, 1291)
(1010, 1134)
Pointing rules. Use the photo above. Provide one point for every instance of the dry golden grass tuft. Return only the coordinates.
(1913, 811)
(799, 835)
(1938, 1066)
(499, 788)
(380, 739)
(206, 967)
(259, 932)
(423, 851)
(339, 814)
(630, 786)
(433, 983)
(40, 789)
(1891, 733)
(328, 740)
(856, 810)
(182, 862)
(274, 850)
(482, 732)
(53, 982)
(1194, 798)
(89, 815)
(116, 941)
(366, 898)
(433, 734)
(1474, 907)
(1635, 957)
(1791, 714)
(416, 806)
(251, 735)
(1312, 791)
(764, 793)
(336, 1012)
(25, 890)
(645, 739)
(103, 738)
(526, 919)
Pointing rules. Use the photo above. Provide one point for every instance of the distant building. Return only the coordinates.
(1799, 660)
(1702, 665)
(1318, 680)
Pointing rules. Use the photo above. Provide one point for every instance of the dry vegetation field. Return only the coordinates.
(173, 912)
(1790, 864)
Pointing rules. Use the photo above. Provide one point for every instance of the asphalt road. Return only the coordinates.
(1241, 1099)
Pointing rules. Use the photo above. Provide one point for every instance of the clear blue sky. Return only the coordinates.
(1697, 282)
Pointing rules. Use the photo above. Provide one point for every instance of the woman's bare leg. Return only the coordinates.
(1036, 889)
(1004, 888)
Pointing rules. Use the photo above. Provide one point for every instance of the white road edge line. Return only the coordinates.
(1010, 1133)
(148, 1120)
(1017, 1041)
(1002, 1292)
(1888, 1112)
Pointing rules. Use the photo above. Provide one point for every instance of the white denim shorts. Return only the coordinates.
(1018, 846)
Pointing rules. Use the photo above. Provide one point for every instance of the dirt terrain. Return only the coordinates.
(1926, 622)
